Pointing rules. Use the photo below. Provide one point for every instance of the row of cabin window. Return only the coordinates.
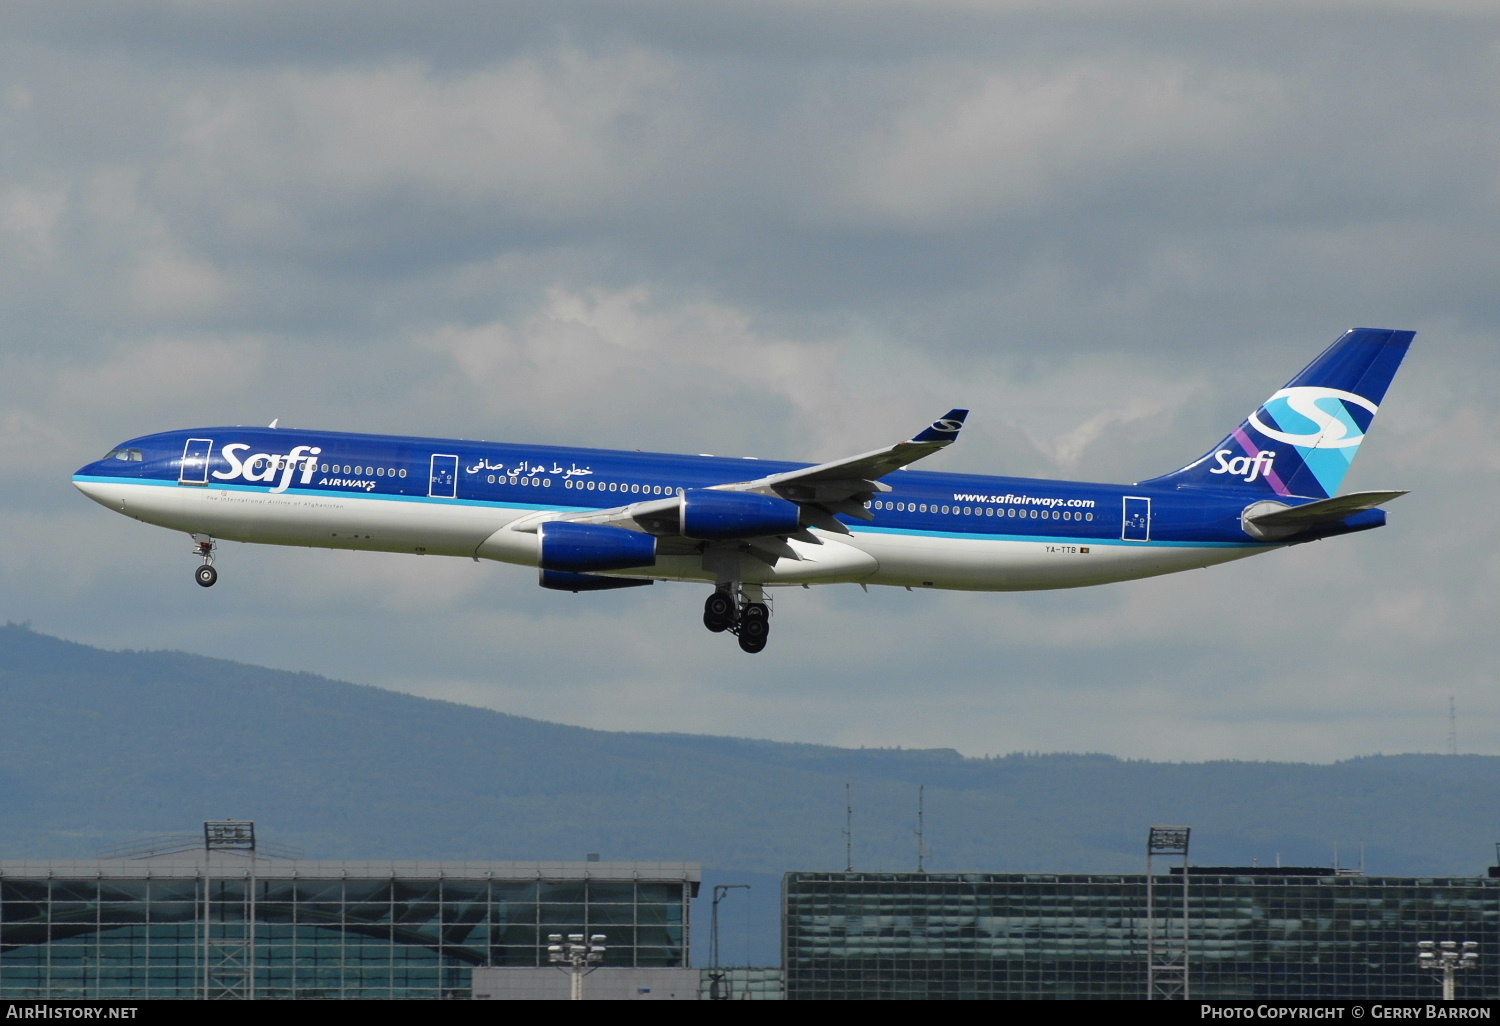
(984, 511)
(532, 482)
(334, 468)
(601, 486)
(615, 486)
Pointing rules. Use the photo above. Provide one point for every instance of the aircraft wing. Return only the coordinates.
(842, 486)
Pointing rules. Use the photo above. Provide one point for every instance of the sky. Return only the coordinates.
(793, 230)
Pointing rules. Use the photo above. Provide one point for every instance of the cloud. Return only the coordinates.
(555, 137)
(30, 217)
(983, 144)
(164, 282)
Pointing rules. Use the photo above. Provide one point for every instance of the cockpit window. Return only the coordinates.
(130, 455)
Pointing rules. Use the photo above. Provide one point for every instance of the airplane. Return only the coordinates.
(598, 519)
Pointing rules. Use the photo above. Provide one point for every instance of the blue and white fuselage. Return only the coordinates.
(597, 518)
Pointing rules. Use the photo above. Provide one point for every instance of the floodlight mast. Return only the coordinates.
(576, 957)
(1166, 956)
(229, 955)
(716, 976)
(1446, 959)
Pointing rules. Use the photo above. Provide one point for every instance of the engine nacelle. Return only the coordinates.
(713, 514)
(557, 580)
(584, 548)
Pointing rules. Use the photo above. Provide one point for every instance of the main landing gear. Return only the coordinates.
(732, 609)
(205, 575)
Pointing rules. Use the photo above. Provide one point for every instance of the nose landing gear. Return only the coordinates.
(737, 610)
(205, 575)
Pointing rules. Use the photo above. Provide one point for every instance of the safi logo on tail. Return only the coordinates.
(1302, 440)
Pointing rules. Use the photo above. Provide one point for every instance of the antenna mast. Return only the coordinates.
(1452, 727)
(921, 848)
(848, 827)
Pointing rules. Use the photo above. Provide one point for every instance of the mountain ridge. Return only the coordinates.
(99, 747)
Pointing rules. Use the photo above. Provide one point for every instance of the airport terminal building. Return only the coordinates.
(223, 924)
(215, 917)
(1253, 933)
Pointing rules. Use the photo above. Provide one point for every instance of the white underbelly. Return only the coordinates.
(329, 520)
(990, 564)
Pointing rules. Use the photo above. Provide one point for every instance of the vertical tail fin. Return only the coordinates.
(1302, 440)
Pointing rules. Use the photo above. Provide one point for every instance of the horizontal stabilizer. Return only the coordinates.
(1272, 521)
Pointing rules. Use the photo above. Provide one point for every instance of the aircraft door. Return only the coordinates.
(195, 456)
(1137, 525)
(443, 484)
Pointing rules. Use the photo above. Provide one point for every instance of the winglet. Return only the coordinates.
(943, 430)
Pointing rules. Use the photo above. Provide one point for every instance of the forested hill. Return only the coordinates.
(101, 747)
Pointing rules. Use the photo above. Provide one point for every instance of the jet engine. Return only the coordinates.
(584, 548)
(714, 515)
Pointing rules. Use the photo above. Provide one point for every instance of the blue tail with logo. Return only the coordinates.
(1302, 440)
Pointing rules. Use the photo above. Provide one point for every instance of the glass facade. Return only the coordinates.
(741, 984)
(299, 929)
(885, 936)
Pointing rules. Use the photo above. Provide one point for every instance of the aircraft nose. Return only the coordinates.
(98, 492)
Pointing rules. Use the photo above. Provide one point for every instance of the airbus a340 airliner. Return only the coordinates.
(592, 519)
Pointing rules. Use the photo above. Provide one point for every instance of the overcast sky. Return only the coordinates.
(792, 230)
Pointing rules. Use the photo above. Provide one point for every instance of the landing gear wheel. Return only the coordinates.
(718, 612)
(752, 642)
(206, 576)
(755, 627)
